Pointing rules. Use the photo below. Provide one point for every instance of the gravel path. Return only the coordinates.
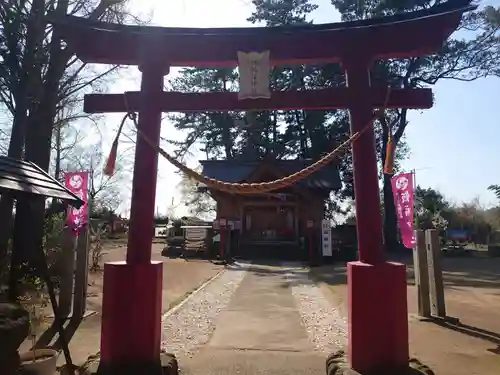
(326, 327)
(192, 324)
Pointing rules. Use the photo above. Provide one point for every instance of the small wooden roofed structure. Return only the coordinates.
(20, 178)
(24, 180)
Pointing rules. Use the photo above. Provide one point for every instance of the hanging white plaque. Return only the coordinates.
(254, 68)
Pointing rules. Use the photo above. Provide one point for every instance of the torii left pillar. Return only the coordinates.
(132, 294)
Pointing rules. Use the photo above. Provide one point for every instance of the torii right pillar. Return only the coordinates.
(378, 314)
(377, 294)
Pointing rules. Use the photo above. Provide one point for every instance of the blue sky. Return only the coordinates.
(457, 140)
(454, 145)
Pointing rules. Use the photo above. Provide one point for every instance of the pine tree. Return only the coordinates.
(215, 131)
(307, 134)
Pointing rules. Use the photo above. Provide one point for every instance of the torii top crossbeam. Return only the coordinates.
(403, 35)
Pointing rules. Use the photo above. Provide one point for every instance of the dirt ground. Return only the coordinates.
(180, 278)
(472, 293)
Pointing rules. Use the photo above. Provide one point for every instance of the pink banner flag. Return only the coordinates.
(402, 188)
(77, 183)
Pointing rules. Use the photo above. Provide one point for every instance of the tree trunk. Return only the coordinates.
(57, 169)
(227, 140)
(390, 217)
(27, 70)
(274, 123)
(30, 214)
(304, 151)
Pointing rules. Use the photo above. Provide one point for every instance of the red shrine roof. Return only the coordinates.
(402, 35)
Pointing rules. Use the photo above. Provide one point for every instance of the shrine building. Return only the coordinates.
(272, 224)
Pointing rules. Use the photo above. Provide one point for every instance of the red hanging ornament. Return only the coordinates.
(109, 169)
(389, 156)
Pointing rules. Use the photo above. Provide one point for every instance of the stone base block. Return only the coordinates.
(337, 364)
(168, 366)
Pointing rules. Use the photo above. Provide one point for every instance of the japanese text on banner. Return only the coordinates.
(77, 183)
(403, 190)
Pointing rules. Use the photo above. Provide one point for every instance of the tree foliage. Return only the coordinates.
(40, 82)
(495, 189)
(257, 134)
(430, 208)
(433, 210)
(471, 53)
(105, 192)
(198, 203)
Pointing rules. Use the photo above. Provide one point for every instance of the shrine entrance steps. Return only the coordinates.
(261, 331)
(284, 251)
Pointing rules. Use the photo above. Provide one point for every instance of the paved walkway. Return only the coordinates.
(260, 331)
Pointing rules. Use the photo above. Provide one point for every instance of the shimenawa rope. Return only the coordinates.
(261, 187)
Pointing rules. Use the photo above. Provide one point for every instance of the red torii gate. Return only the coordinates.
(378, 323)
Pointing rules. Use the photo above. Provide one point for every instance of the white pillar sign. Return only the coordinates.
(326, 238)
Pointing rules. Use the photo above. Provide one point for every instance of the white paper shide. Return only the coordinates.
(254, 69)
